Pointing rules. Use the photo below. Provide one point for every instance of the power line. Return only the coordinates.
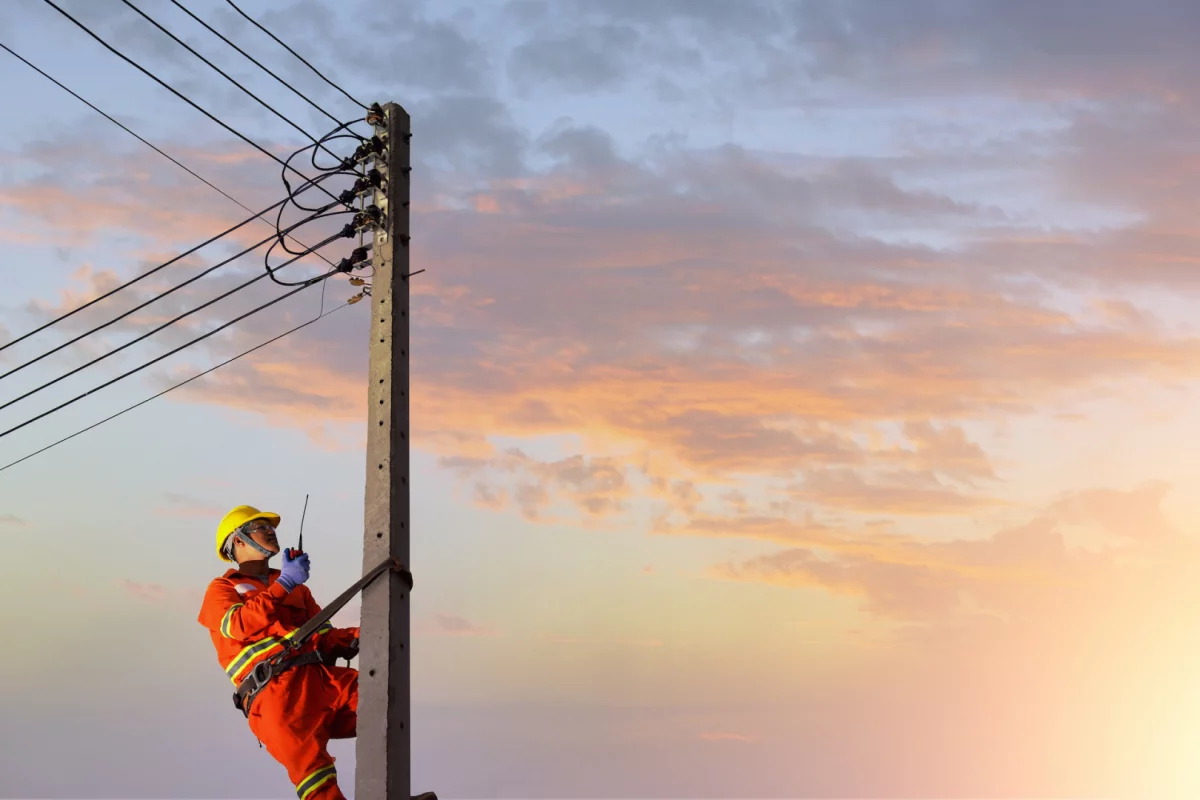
(178, 94)
(154, 299)
(297, 55)
(123, 127)
(224, 74)
(169, 322)
(201, 338)
(148, 273)
(255, 61)
(320, 315)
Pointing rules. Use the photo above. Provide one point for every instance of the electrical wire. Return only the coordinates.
(346, 197)
(154, 299)
(176, 92)
(297, 55)
(255, 61)
(201, 338)
(364, 149)
(359, 253)
(350, 135)
(319, 316)
(220, 71)
(372, 178)
(165, 155)
(279, 215)
(168, 323)
(292, 192)
(148, 273)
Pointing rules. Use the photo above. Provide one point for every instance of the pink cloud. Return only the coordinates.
(445, 624)
(725, 737)
(148, 592)
(619, 641)
(180, 505)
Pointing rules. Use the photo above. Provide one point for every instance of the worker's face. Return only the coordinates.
(260, 531)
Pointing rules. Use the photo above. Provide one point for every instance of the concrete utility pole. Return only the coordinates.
(383, 749)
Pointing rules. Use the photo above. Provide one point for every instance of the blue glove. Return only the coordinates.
(295, 570)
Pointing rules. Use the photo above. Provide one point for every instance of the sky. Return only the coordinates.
(802, 394)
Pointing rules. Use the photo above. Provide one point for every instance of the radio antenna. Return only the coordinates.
(300, 544)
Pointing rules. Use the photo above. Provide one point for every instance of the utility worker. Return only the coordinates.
(249, 611)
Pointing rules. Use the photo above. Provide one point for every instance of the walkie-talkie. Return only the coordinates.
(298, 550)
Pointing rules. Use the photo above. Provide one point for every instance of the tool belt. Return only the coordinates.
(264, 671)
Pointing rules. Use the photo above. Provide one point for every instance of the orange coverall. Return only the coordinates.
(300, 710)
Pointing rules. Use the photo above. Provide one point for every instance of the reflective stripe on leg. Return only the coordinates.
(315, 781)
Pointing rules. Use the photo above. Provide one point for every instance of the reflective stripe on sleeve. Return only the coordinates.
(228, 619)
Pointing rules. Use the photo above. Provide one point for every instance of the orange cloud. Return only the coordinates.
(1018, 571)
(596, 486)
(742, 349)
(140, 193)
(893, 492)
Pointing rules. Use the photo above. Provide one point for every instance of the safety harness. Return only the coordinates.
(285, 660)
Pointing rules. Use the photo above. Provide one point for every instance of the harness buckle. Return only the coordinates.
(253, 683)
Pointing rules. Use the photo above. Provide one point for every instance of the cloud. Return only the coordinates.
(1134, 514)
(804, 343)
(680, 495)
(431, 53)
(925, 44)
(596, 486)
(585, 60)
(725, 737)
(618, 641)
(723, 299)
(488, 496)
(947, 450)
(182, 505)
(892, 492)
(136, 191)
(1013, 573)
(771, 322)
(571, 44)
(777, 52)
(148, 592)
(444, 624)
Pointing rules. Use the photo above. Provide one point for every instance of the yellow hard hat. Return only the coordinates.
(236, 519)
